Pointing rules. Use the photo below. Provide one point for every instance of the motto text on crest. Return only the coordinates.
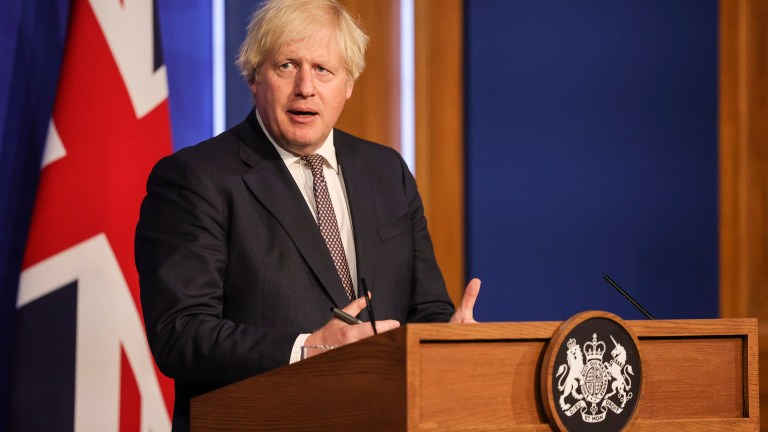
(593, 378)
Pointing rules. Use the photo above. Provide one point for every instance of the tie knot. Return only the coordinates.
(315, 162)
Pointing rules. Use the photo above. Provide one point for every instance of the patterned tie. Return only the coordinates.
(326, 220)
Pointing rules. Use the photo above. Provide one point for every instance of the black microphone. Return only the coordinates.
(368, 305)
(628, 297)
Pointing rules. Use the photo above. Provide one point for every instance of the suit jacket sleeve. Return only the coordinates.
(429, 299)
(181, 254)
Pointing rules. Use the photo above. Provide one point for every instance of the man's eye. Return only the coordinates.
(286, 66)
(322, 69)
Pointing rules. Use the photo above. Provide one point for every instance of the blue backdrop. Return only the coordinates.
(591, 148)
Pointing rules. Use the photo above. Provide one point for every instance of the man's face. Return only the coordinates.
(301, 91)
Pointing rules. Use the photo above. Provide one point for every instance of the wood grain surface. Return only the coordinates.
(743, 130)
(699, 375)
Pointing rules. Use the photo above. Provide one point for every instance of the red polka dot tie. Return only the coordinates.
(326, 220)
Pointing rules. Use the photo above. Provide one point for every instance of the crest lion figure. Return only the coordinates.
(571, 374)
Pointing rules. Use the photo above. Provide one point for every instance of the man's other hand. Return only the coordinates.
(465, 312)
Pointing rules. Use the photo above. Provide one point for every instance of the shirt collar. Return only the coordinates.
(327, 150)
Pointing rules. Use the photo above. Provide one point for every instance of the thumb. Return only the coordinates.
(470, 296)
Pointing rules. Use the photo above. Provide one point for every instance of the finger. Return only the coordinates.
(387, 325)
(470, 296)
(364, 330)
(342, 334)
(355, 307)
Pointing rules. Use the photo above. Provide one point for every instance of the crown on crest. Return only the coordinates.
(594, 349)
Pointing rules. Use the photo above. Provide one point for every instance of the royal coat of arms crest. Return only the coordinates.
(591, 378)
(584, 384)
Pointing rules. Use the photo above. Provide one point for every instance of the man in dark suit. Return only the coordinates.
(247, 240)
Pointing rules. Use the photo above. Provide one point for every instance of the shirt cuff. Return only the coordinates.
(296, 351)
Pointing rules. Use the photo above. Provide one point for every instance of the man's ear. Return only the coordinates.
(253, 82)
(350, 86)
(254, 86)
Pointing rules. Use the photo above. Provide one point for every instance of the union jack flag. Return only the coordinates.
(81, 360)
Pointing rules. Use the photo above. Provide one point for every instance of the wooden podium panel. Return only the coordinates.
(698, 375)
(704, 377)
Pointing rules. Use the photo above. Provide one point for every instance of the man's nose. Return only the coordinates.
(304, 85)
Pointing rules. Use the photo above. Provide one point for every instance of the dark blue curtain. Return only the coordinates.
(31, 44)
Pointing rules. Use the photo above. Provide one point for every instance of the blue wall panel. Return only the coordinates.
(187, 43)
(186, 36)
(592, 148)
(239, 97)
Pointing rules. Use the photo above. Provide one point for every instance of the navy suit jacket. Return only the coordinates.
(233, 266)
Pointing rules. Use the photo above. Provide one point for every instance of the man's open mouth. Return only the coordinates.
(302, 113)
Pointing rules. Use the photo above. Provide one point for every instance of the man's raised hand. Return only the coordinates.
(465, 312)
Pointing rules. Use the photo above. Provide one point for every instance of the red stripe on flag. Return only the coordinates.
(130, 399)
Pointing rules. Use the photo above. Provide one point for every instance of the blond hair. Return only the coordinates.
(280, 21)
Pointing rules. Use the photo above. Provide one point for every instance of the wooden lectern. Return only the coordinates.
(698, 375)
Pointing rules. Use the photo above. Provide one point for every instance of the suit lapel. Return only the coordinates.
(362, 206)
(272, 184)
